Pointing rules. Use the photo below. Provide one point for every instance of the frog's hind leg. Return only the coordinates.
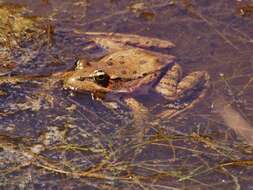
(189, 91)
(121, 41)
(195, 81)
(167, 86)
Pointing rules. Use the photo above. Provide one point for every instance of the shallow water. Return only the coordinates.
(87, 146)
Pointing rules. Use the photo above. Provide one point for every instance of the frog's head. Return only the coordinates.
(89, 81)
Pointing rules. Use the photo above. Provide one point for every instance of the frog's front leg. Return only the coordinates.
(139, 112)
(140, 118)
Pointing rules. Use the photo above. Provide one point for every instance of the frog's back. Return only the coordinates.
(133, 63)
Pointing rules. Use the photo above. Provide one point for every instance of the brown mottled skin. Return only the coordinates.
(130, 68)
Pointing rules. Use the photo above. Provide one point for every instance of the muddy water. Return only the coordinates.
(80, 144)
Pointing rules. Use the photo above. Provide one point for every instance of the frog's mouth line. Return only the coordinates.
(100, 81)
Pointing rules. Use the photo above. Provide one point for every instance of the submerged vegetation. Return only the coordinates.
(16, 27)
(18, 30)
(51, 139)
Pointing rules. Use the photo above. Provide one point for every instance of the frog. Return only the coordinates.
(132, 66)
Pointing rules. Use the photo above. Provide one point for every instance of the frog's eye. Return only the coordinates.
(101, 77)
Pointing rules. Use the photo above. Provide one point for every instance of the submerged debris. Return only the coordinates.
(235, 120)
(21, 36)
(142, 10)
(3, 93)
(17, 27)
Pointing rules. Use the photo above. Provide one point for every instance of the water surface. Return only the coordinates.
(87, 146)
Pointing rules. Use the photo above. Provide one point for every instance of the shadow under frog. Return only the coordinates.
(130, 69)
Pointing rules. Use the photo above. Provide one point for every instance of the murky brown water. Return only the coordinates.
(87, 146)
